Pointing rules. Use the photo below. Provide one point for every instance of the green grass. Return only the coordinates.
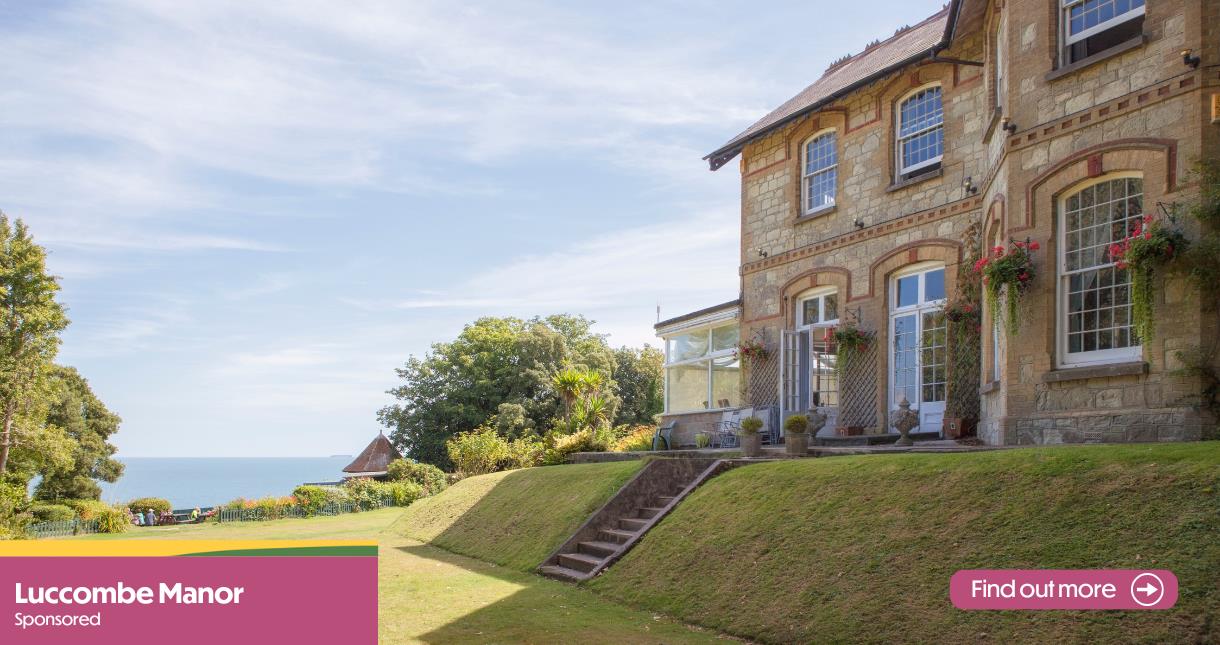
(427, 595)
(515, 518)
(861, 549)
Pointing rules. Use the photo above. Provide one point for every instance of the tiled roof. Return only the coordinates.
(875, 61)
(375, 458)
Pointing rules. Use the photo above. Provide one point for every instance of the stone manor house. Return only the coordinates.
(1060, 122)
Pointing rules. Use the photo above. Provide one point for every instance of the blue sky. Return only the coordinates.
(260, 209)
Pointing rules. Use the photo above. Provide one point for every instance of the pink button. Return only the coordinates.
(1063, 589)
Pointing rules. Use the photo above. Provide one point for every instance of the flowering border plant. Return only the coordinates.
(1010, 270)
(751, 350)
(1151, 245)
(849, 342)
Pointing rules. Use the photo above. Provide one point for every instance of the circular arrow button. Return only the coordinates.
(1147, 589)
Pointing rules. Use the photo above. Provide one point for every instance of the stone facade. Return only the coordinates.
(1138, 111)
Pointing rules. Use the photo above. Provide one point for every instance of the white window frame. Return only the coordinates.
(899, 139)
(1095, 357)
(819, 295)
(1000, 93)
(922, 304)
(1069, 39)
(806, 173)
(710, 357)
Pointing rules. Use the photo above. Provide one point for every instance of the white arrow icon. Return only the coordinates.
(1152, 587)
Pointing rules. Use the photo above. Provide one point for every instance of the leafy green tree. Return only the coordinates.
(639, 378)
(460, 385)
(30, 323)
(87, 422)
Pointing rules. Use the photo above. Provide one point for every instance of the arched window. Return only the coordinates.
(820, 172)
(1094, 294)
(921, 132)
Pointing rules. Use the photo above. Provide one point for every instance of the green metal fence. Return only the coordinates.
(63, 528)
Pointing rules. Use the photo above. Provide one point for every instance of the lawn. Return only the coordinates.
(426, 595)
(861, 549)
(515, 518)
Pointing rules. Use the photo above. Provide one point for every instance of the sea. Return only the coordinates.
(188, 482)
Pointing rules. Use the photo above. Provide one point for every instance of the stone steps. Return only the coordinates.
(626, 517)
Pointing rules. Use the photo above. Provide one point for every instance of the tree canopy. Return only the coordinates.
(88, 424)
(500, 372)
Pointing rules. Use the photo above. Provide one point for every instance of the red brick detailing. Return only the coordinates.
(1095, 168)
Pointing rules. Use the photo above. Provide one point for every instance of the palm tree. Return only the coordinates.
(569, 382)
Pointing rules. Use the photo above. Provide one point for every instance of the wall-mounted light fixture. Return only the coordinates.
(1008, 126)
(859, 223)
(762, 253)
(1190, 58)
(968, 186)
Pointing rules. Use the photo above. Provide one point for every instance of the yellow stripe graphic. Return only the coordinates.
(153, 547)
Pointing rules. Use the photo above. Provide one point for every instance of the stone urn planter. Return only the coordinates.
(905, 419)
(751, 441)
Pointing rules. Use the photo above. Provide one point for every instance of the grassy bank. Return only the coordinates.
(427, 595)
(515, 518)
(861, 548)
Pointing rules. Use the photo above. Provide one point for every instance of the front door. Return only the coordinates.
(917, 348)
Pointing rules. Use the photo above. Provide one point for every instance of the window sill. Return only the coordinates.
(939, 172)
(988, 388)
(1138, 41)
(688, 413)
(818, 214)
(996, 115)
(1134, 368)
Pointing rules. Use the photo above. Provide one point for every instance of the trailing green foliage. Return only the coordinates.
(429, 477)
(963, 328)
(1151, 245)
(1011, 272)
(157, 504)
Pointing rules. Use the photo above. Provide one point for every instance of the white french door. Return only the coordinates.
(807, 376)
(917, 345)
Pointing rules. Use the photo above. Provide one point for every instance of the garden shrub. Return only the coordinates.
(366, 494)
(312, 499)
(404, 493)
(478, 452)
(635, 439)
(14, 511)
(88, 509)
(431, 478)
(525, 452)
(238, 504)
(52, 513)
(111, 519)
(587, 440)
(157, 504)
(273, 508)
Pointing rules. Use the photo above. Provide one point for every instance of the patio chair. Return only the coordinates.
(663, 439)
(728, 429)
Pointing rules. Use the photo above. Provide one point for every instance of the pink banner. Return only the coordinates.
(1125, 589)
(189, 600)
